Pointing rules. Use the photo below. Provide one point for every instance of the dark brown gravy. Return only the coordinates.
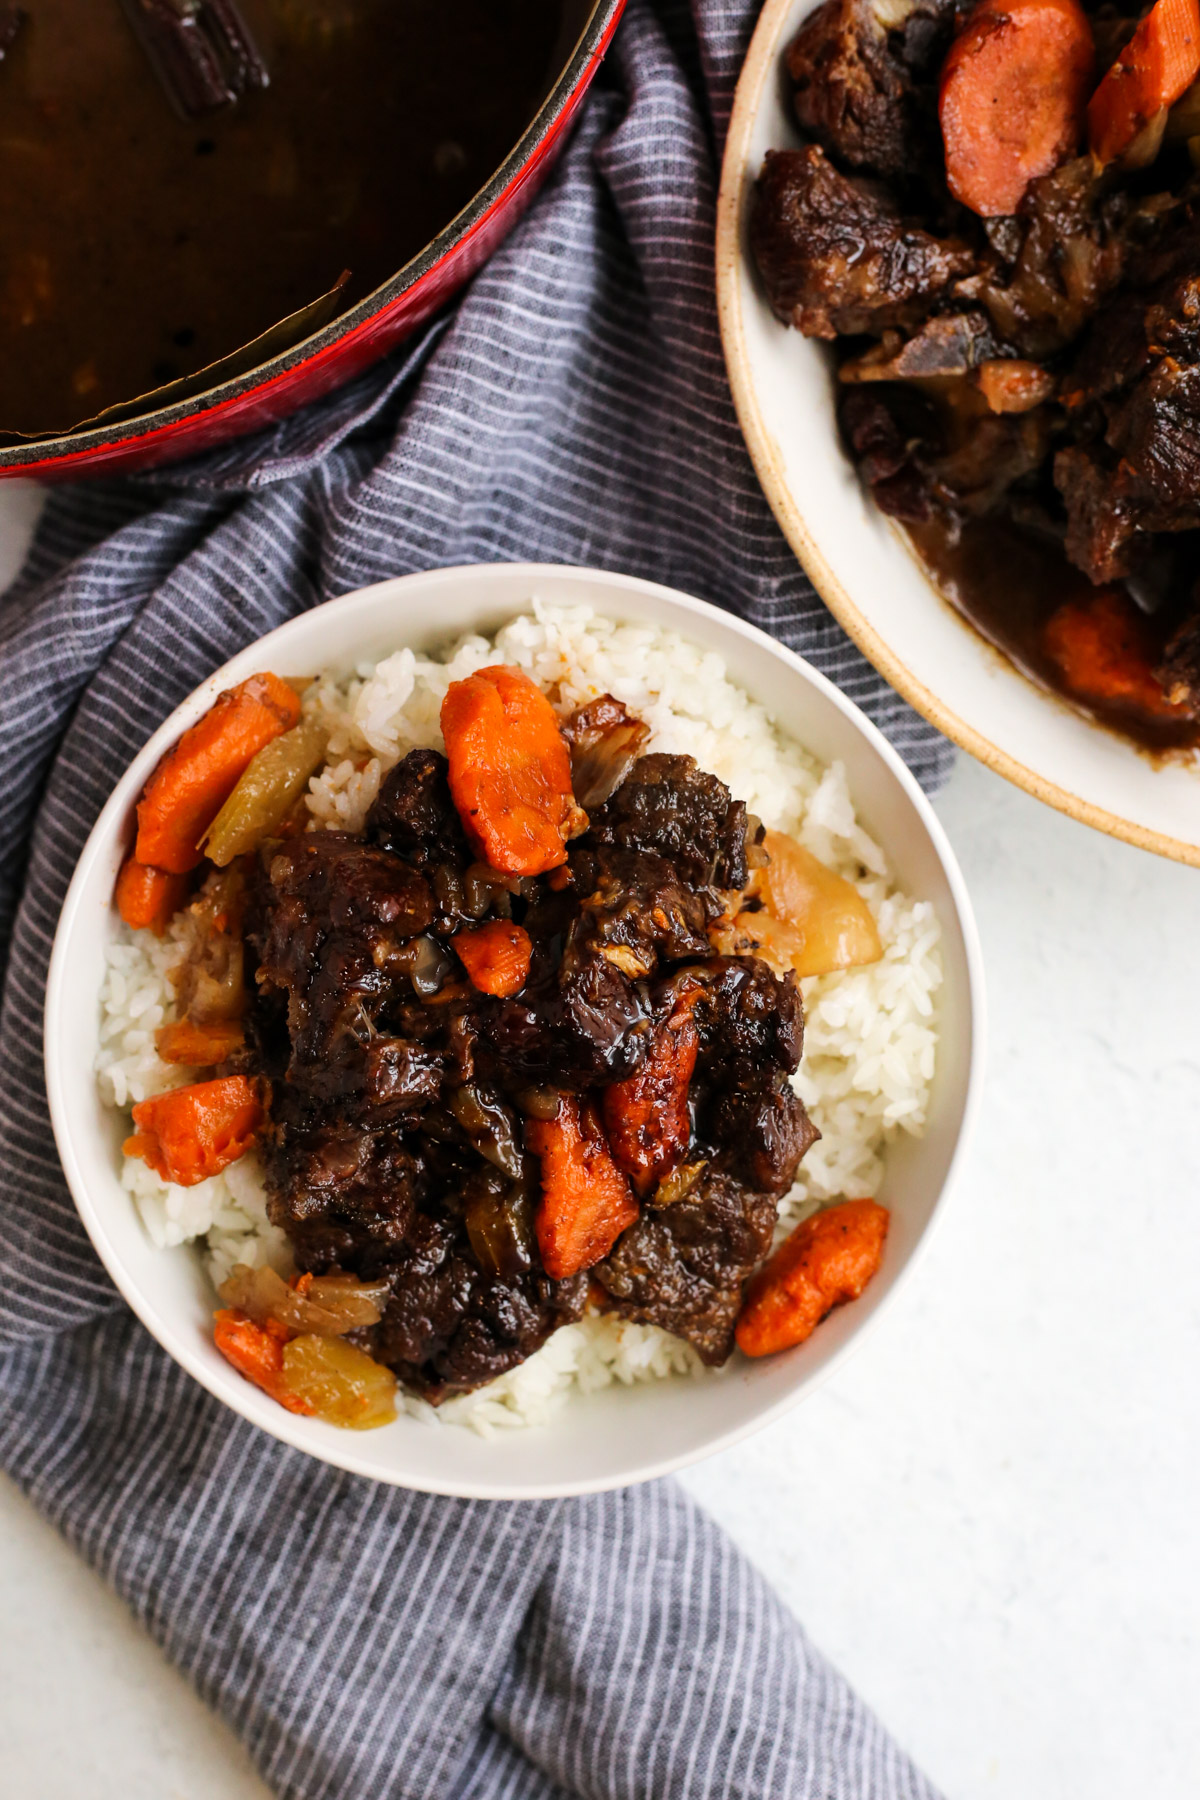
(138, 248)
(1007, 584)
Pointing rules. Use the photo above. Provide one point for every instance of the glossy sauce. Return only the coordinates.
(1008, 584)
(137, 248)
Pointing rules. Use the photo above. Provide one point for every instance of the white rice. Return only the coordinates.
(870, 1033)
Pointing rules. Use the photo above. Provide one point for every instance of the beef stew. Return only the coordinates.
(1017, 387)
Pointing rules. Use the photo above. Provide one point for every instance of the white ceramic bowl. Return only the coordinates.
(613, 1437)
(861, 563)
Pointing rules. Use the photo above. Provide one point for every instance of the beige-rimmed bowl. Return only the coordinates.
(617, 1436)
(860, 562)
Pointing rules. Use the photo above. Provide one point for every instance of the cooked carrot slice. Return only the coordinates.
(199, 1045)
(496, 956)
(510, 771)
(826, 1261)
(1154, 70)
(1013, 91)
(193, 1132)
(586, 1201)
(646, 1116)
(256, 1351)
(1105, 655)
(148, 899)
(195, 778)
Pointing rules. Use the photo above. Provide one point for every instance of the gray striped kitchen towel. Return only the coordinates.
(371, 1644)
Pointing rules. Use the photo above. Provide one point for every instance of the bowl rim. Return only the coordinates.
(43, 455)
(757, 70)
(239, 1395)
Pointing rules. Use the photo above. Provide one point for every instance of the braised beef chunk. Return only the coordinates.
(450, 1326)
(580, 1023)
(1064, 251)
(765, 1134)
(985, 455)
(1154, 433)
(1020, 390)
(879, 438)
(400, 1078)
(966, 449)
(751, 1021)
(336, 910)
(1103, 535)
(848, 93)
(956, 457)
(874, 427)
(1133, 394)
(1154, 312)
(751, 1028)
(836, 254)
(683, 1267)
(339, 1190)
(863, 89)
(670, 808)
(413, 813)
(634, 910)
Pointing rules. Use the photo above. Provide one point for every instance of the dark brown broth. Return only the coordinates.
(138, 248)
(1007, 583)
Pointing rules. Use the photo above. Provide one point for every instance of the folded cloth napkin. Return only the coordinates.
(363, 1640)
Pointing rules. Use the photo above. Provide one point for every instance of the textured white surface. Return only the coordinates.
(987, 1518)
(88, 1705)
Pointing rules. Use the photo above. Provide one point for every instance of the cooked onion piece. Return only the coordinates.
(266, 793)
(210, 982)
(325, 1304)
(810, 920)
(342, 1385)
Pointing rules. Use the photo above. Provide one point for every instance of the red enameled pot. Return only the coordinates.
(359, 337)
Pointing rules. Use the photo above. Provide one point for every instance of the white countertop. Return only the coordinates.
(988, 1517)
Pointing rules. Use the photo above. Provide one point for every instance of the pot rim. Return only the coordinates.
(53, 449)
